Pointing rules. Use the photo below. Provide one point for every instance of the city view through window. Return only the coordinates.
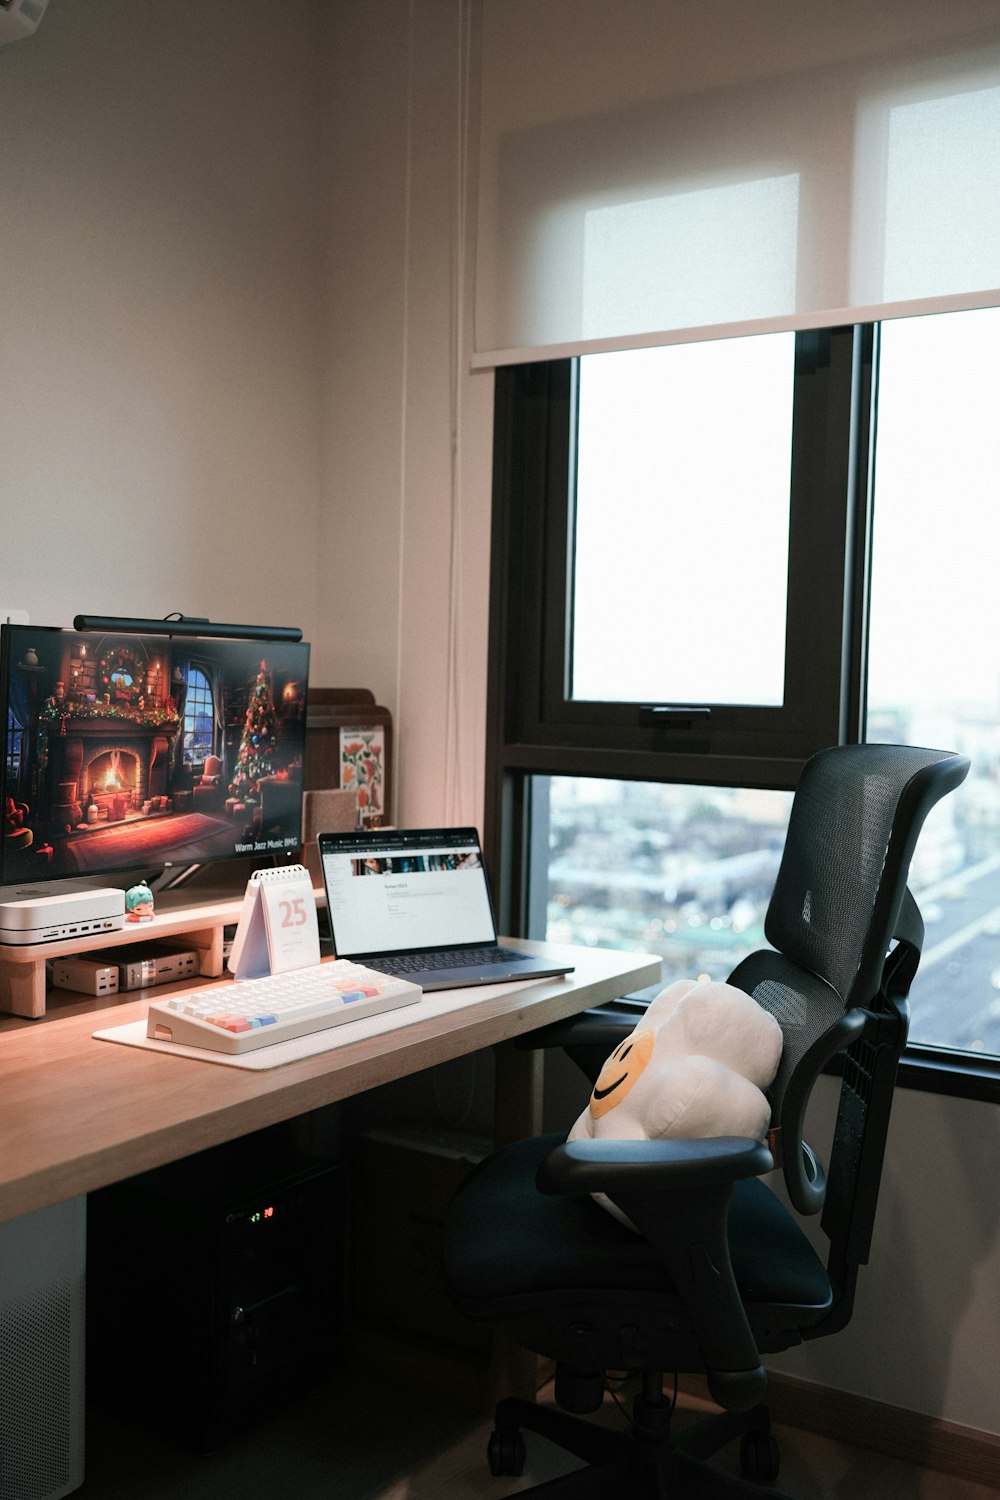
(682, 871)
(686, 872)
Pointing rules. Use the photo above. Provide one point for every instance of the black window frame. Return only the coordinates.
(197, 694)
(535, 729)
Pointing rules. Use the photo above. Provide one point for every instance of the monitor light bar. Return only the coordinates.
(187, 625)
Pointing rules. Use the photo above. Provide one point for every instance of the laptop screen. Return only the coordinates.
(398, 891)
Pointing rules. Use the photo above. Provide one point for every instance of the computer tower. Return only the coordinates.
(220, 1277)
(42, 1369)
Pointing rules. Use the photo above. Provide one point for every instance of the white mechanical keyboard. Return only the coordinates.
(253, 1013)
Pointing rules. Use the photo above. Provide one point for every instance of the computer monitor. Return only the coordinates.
(133, 752)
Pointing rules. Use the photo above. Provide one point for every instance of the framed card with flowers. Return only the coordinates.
(362, 769)
(349, 747)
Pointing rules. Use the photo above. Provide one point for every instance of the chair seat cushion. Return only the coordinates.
(504, 1240)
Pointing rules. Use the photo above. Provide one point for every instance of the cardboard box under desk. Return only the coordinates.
(404, 1179)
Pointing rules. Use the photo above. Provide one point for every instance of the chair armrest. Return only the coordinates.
(604, 1166)
(687, 1229)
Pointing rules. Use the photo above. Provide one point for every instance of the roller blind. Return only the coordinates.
(671, 171)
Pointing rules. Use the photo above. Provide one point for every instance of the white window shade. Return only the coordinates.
(929, 224)
(841, 191)
(675, 249)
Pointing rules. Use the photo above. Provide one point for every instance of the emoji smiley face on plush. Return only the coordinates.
(696, 1066)
(622, 1070)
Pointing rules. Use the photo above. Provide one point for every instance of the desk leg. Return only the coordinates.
(517, 1105)
(22, 987)
(517, 1113)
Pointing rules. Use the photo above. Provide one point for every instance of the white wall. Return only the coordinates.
(161, 341)
(926, 1322)
(231, 333)
(407, 488)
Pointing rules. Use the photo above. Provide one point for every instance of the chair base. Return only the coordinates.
(646, 1461)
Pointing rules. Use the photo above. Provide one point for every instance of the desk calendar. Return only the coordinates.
(278, 928)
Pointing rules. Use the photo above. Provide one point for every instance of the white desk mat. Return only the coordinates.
(437, 1003)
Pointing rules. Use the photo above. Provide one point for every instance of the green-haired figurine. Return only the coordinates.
(139, 903)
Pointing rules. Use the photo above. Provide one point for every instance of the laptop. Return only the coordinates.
(416, 903)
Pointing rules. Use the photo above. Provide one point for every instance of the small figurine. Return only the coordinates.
(139, 903)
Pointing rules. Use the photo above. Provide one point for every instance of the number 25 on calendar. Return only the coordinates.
(293, 913)
(278, 928)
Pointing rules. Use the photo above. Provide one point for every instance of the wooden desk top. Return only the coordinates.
(77, 1113)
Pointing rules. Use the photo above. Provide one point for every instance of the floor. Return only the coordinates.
(349, 1441)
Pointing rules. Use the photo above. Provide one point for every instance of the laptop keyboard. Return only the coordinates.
(464, 958)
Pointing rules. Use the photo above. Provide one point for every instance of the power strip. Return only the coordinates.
(88, 976)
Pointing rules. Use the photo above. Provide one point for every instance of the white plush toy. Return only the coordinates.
(695, 1066)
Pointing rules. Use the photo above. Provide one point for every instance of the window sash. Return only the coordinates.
(540, 724)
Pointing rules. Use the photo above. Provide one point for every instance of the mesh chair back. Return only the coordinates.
(854, 823)
(833, 915)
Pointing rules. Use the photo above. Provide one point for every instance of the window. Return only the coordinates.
(664, 606)
(627, 802)
(933, 661)
(199, 719)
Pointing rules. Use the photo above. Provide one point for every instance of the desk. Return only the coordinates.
(77, 1114)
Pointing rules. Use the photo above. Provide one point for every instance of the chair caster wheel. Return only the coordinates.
(759, 1457)
(506, 1453)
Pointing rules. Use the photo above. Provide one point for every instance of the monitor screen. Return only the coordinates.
(131, 752)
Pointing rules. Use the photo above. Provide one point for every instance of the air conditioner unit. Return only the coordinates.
(18, 18)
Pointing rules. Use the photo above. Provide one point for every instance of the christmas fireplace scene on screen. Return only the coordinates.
(134, 751)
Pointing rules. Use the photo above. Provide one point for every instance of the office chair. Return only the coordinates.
(717, 1271)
